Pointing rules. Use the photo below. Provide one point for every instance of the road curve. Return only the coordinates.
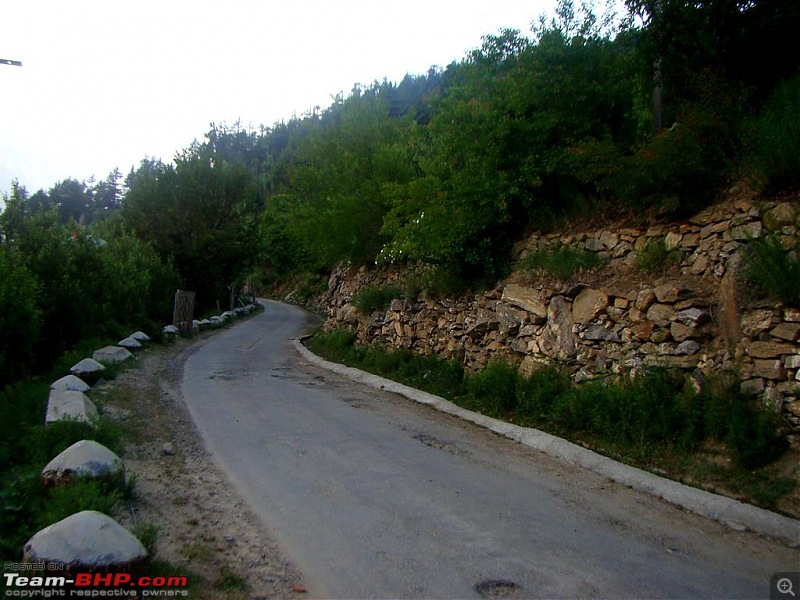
(375, 496)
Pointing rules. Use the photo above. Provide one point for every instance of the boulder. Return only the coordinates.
(86, 540)
(660, 314)
(71, 383)
(85, 458)
(770, 349)
(681, 332)
(111, 355)
(687, 348)
(88, 369)
(643, 330)
(588, 305)
(669, 292)
(598, 333)
(780, 216)
(170, 330)
(64, 405)
(346, 314)
(755, 323)
(525, 298)
(787, 331)
(486, 321)
(558, 340)
(746, 232)
(751, 387)
(771, 368)
(130, 343)
(645, 299)
(692, 317)
(510, 319)
(140, 336)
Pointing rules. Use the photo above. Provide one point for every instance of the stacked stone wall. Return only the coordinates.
(691, 319)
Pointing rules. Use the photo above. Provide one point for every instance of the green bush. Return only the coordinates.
(681, 169)
(494, 389)
(775, 160)
(561, 261)
(20, 316)
(773, 270)
(537, 393)
(372, 297)
(655, 257)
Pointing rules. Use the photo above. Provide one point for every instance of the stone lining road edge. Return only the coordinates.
(730, 512)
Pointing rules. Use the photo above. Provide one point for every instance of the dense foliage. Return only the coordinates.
(60, 283)
(650, 114)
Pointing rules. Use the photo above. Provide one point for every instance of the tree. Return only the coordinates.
(200, 213)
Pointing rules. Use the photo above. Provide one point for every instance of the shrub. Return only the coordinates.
(681, 169)
(562, 261)
(20, 317)
(537, 393)
(773, 269)
(494, 389)
(372, 297)
(775, 160)
(655, 257)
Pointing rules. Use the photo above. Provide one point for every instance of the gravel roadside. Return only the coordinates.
(204, 526)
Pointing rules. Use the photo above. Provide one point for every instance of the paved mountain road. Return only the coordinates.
(376, 496)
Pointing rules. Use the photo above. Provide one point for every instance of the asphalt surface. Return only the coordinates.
(375, 496)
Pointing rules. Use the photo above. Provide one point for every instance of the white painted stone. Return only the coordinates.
(85, 458)
(88, 539)
(130, 343)
(170, 330)
(72, 383)
(87, 367)
(140, 336)
(111, 354)
(64, 405)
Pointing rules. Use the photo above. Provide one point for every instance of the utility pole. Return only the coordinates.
(11, 63)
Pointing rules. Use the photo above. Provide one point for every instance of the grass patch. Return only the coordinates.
(373, 297)
(655, 421)
(656, 257)
(773, 270)
(28, 445)
(562, 262)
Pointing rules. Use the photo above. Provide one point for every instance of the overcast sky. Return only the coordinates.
(106, 83)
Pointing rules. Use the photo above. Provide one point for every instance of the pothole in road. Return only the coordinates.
(498, 588)
(358, 403)
(226, 375)
(434, 442)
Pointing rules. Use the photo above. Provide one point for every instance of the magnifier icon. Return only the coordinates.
(785, 586)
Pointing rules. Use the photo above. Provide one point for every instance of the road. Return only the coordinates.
(375, 496)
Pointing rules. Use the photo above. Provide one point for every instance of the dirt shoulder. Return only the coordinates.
(203, 525)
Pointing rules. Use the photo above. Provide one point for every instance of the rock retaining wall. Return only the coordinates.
(691, 319)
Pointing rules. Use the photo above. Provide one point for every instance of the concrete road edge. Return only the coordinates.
(734, 514)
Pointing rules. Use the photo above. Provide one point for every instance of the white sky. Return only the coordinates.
(106, 83)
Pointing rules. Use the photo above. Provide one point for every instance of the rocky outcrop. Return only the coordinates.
(689, 319)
